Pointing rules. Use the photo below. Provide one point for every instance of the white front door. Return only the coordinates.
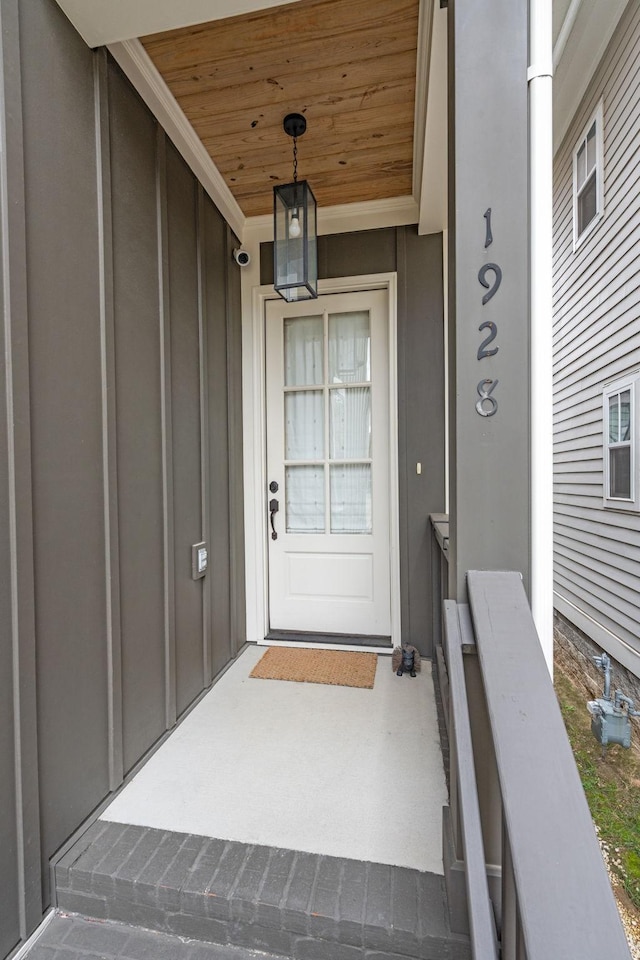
(327, 374)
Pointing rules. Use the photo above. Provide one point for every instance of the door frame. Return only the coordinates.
(255, 450)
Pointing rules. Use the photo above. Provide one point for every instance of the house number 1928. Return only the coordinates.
(487, 404)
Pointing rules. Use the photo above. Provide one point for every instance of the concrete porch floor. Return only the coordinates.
(329, 770)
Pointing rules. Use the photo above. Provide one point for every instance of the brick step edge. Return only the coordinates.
(278, 901)
(79, 938)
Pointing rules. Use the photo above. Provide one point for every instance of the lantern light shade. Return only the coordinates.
(295, 242)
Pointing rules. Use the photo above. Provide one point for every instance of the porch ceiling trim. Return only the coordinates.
(423, 60)
(345, 218)
(100, 23)
(432, 196)
(429, 161)
(138, 67)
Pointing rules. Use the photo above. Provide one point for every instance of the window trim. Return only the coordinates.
(629, 382)
(596, 117)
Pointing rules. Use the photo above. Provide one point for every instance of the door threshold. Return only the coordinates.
(328, 639)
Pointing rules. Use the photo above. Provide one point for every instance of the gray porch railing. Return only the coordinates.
(520, 845)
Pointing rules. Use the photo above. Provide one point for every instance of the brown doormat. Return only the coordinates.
(339, 667)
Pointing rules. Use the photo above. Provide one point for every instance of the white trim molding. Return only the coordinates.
(423, 67)
(615, 388)
(255, 298)
(432, 198)
(134, 60)
(344, 218)
(622, 651)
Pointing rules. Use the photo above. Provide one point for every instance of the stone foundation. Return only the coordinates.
(575, 650)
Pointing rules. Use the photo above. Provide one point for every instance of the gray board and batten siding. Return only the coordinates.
(596, 341)
(421, 392)
(120, 443)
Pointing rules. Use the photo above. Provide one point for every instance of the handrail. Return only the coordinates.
(439, 538)
(440, 524)
(564, 906)
(482, 929)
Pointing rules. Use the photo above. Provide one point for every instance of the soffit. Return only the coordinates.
(112, 21)
(348, 65)
(560, 9)
(592, 24)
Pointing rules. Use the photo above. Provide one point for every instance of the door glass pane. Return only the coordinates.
(351, 498)
(304, 425)
(620, 472)
(350, 409)
(614, 435)
(349, 347)
(303, 351)
(304, 492)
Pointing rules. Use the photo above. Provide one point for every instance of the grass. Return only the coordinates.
(611, 784)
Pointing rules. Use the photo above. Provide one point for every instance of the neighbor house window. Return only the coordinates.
(620, 443)
(588, 191)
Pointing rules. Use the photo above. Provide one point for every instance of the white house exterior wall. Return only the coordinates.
(597, 341)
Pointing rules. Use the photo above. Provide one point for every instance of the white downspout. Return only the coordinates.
(541, 173)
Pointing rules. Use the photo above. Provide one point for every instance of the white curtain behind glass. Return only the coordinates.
(350, 424)
(351, 498)
(350, 434)
(304, 424)
(349, 347)
(305, 499)
(303, 351)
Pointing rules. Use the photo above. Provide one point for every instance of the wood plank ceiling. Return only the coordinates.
(348, 65)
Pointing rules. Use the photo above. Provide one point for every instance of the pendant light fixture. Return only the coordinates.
(295, 242)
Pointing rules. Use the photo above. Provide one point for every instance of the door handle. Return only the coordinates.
(274, 506)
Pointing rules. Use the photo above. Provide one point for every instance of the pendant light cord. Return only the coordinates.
(295, 159)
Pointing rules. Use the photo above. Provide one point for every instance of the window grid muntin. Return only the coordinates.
(588, 181)
(326, 387)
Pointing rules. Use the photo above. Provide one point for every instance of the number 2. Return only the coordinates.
(482, 351)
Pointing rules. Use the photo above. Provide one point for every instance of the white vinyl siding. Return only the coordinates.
(596, 348)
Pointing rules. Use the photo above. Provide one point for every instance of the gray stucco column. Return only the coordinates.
(488, 289)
